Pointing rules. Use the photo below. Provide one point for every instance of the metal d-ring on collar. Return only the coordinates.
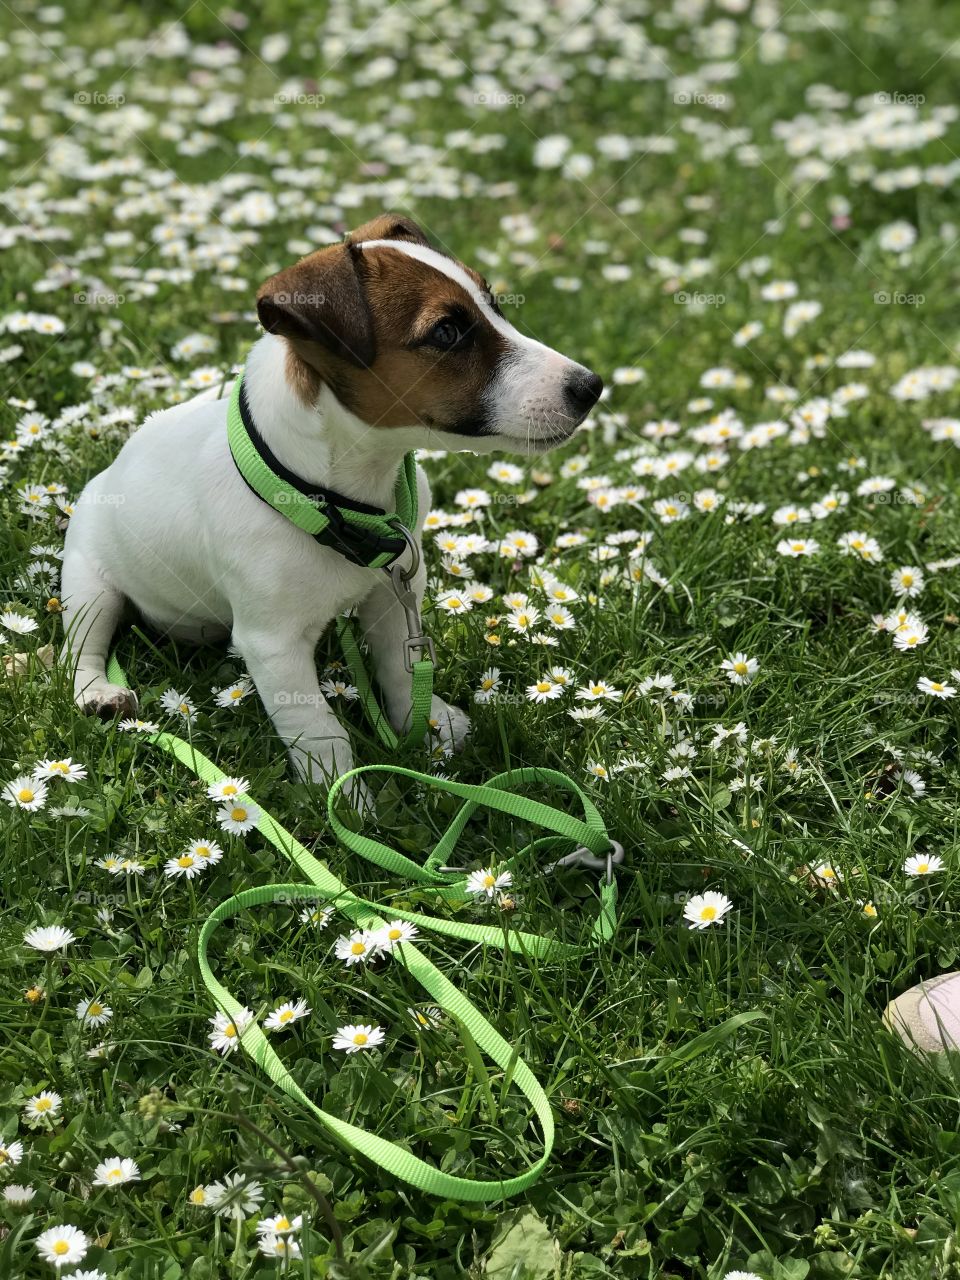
(417, 642)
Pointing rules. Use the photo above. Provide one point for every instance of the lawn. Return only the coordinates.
(728, 609)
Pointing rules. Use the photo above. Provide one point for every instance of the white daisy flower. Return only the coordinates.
(64, 769)
(922, 864)
(356, 948)
(44, 1106)
(705, 909)
(25, 792)
(740, 669)
(178, 704)
(115, 1171)
(238, 817)
(48, 937)
(62, 1246)
(226, 1032)
(285, 1015)
(93, 1013)
(393, 935)
(486, 882)
(351, 1038)
(227, 789)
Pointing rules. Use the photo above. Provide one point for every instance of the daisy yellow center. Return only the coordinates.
(523, 619)
(797, 546)
(185, 860)
(184, 708)
(286, 1015)
(599, 770)
(94, 1009)
(25, 794)
(489, 881)
(61, 1247)
(869, 909)
(357, 948)
(455, 602)
(487, 685)
(708, 913)
(202, 851)
(236, 693)
(115, 1173)
(60, 766)
(198, 1196)
(923, 867)
(857, 544)
(42, 1104)
(33, 995)
(543, 686)
(740, 668)
(230, 1030)
(395, 935)
(238, 814)
(230, 790)
(907, 579)
(670, 510)
(936, 686)
(360, 1037)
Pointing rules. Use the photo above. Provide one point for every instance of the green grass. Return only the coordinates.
(692, 1140)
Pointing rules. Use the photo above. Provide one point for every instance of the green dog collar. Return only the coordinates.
(362, 534)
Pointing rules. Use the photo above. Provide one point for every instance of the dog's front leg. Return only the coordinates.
(384, 624)
(284, 670)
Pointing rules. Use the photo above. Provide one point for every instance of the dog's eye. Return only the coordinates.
(445, 335)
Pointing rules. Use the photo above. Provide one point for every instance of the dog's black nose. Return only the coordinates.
(583, 391)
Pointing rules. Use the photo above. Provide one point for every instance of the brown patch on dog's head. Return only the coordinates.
(404, 335)
(398, 342)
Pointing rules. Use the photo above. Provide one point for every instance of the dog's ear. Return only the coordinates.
(321, 299)
(388, 226)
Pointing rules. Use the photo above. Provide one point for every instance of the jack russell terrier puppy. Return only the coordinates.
(373, 347)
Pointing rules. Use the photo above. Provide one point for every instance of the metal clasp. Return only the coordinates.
(582, 857)
(417, 642)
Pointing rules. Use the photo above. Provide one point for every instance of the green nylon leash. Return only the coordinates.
(587, 834)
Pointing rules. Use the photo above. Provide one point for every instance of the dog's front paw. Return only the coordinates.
(449, 724)
(108, 701)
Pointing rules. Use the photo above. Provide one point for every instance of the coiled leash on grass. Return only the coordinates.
(377, 539)
(589, 836)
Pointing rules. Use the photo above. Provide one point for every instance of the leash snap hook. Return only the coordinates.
(417, 643)
(582, 857)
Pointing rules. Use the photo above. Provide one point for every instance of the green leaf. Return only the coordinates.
(523, 1249)
(706, 1041)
